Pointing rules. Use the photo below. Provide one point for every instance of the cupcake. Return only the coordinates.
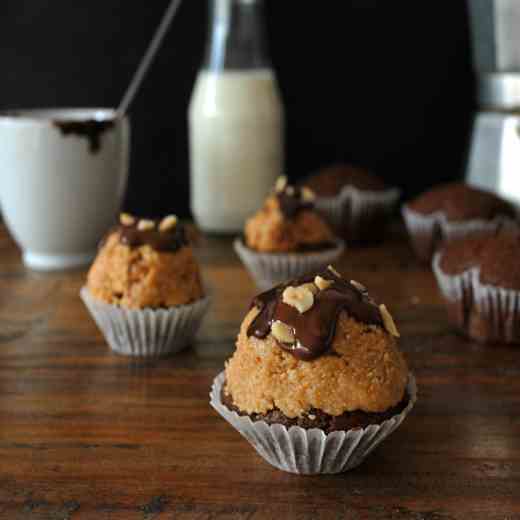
(144, 288)
(452, 211)
(287, 237)
(317, 380)
(479, 279)
(355, 201)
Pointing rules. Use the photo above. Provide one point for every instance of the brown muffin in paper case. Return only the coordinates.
(359, 215)
(310, 451)
(268, 269)
(484, 312)
(453, 211)
(146, 332)
(428, 232)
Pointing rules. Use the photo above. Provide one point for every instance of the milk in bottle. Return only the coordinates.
(236, 120)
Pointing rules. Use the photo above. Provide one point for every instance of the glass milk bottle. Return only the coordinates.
(236, 120)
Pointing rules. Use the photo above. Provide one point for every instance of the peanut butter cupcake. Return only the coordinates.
(355, 201)
(287, 237)
(144, 288)
(317, 379)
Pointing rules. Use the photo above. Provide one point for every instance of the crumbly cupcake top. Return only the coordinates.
(496, 255)
(145, 263)
(458, 201)
(329, 181)
(288, 222)
(318, 342)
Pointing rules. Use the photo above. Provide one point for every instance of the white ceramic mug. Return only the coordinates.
(63, 175)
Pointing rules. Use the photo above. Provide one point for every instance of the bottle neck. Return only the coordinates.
(237, 38)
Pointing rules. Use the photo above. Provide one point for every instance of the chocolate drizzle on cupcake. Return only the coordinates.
(293, 199)
(291, 202)
(302, 314)
(166, 235)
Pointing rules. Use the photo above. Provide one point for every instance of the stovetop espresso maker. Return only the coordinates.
(494, 157)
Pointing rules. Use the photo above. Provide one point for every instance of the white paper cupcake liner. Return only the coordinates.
(309, 452)
(427, 232)
(354, 208)
(270, 269)
(487, 312)
(146, 332)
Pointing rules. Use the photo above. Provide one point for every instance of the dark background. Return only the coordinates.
(387, 85)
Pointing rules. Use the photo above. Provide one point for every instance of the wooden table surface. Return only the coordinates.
(87, 434)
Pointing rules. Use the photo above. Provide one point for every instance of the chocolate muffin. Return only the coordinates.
(144, 288)
(479, 278)
(287, 237)
(318, 354)
(329, 181)
(453, 211)
(355, 201)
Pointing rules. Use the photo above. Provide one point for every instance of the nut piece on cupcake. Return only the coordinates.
(479, 279)
(144, 288)
(315, 371)
(287, 237)
(453, 211)
(355, 201)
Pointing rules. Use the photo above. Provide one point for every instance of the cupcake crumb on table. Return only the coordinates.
(354, 200)
(479, 279)
(319, 354)
(453, 211)
(144, 288)
(287, 237)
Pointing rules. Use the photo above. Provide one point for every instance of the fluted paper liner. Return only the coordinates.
(356, 207)
(309, 452)
(499, 308)
(269, 269)
(427, 232)
(146, 332)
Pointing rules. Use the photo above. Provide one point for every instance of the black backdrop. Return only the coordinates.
(384, 84)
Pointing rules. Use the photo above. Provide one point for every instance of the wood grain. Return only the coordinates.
(88, 434)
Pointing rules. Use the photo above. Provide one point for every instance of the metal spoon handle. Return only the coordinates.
(148, 57)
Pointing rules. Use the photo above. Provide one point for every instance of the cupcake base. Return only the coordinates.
(319, 419)
(270, 269)
(310, 451)
(146, 332)
(485, 313)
